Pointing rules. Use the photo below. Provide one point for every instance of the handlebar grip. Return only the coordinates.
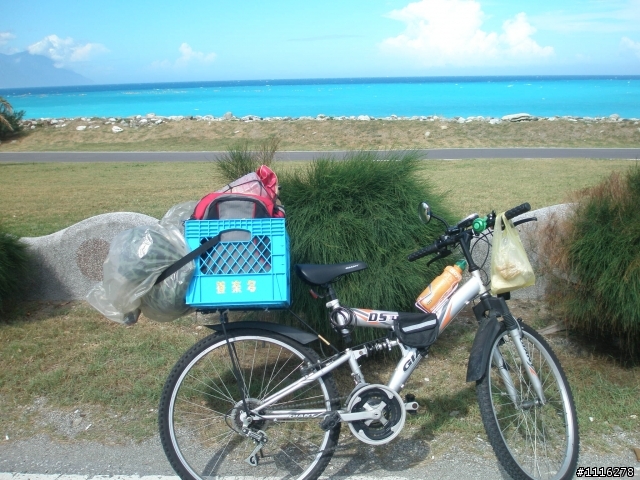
(519, 210)
(423, 252)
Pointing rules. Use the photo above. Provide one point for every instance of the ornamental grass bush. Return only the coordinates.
(13, 269)
(362, 208)
(9, 120)
(245, 157)
(594, 281)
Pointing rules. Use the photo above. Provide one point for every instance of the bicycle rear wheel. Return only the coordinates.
(201, 407)
(529, 439)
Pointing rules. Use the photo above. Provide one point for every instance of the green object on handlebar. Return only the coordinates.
(462, 264)
(480, 224)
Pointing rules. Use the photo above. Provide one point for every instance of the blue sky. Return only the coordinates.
(193, 40)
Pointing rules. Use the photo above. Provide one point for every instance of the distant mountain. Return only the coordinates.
(26, 70)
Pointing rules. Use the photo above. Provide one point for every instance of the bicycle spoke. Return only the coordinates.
(207, 433)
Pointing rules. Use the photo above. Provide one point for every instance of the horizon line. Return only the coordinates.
(312, 80)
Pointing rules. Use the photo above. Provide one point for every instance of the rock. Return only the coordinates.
(614, 117)
(495, 121)
(53, 122)
(364, 118)
(426, 134)
(81, 127)
(158, 122)
(322, 117)
(151, 115)
(176, 118)
(116, 129)
(112, 119)
(443, 127)
(517, 117)
(143, 121)
(228, 116)
(461, 120)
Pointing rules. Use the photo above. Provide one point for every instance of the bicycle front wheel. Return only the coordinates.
(201, 411)
(530, 439)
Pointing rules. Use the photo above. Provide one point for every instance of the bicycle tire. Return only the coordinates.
(532, 441)
(200, 404)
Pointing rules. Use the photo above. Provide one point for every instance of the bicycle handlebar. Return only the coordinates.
(445, 240)
(423, 252)
(519, 210)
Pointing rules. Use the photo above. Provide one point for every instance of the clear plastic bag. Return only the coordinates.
(136, 258)
(510, 266)
(178, 214)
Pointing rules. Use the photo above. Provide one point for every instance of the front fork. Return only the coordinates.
(515, 332)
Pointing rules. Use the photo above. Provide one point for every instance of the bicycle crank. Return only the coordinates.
(385, 411)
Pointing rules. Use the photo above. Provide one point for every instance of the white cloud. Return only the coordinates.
(188, 56)
(5, 37)
(448, 32)
(65, 50)
(629, 44)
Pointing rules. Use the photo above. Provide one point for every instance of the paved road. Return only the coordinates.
(403, 459)
(436, 153)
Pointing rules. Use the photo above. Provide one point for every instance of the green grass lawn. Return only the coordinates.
(59, 357)
(42, 198)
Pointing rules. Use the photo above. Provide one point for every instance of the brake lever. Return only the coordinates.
(441, 254)
(525, 220)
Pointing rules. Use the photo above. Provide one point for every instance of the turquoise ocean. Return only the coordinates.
(376, 97)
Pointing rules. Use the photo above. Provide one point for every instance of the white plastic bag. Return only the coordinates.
(510, 267)
(136, 258)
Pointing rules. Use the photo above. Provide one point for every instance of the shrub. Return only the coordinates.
(9, 120)
(13, 269)
(596, 281)
(243, 158)
(363, 208)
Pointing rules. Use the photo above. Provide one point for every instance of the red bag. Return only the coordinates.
(225, 204)
(222, 206)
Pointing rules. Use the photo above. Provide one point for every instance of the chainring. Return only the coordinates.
(377, 432)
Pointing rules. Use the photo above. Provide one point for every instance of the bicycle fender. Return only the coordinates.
(290, 332)
(481, 349)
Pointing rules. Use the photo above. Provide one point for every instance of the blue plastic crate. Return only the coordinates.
(248, 269)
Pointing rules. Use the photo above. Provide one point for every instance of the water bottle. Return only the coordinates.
(441, 288)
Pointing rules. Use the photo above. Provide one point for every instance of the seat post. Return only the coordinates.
(332, 293)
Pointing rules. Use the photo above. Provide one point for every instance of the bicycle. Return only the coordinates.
(253, 400)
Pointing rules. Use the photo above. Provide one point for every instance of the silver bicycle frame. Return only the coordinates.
(366, 318)
(374, 319)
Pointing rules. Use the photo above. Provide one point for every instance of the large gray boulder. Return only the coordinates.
(67, 264)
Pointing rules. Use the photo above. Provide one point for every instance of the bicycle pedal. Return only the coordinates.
(411, 406)
(330, 421)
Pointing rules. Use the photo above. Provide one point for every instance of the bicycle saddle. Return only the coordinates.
(322, 274)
